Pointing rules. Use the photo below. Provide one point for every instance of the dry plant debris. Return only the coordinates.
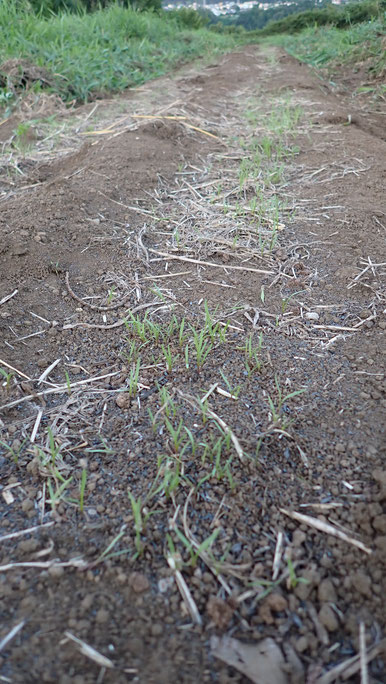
(193, 318)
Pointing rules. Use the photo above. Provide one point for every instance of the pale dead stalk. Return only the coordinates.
(56, 390)
(166, 255)
(326, 528)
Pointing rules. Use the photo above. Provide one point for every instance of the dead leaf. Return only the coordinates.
(262, 662)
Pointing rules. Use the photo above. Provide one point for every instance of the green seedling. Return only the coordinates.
(204, 406)
(171, 328)
(187, 356)
(132, 353)
(68, 383)
(54, 448)
(176, 435)
(157, 292)
(269, 586)
(202, 347)
(273, 240)
(106, 554)
(23, 141)
(82, 488)
(153, 420)
(181, 336)
(168, 354)
(176, 237)
(209, 322)
(133, 379)
(293, 579)
(168, 476)
(234, 391)
(253, 204)
(276, 409)
(253, 362)
(56, 495)
(57, 484)
(275, 174)
(111, 295)
(219, 471)
(201, 482)
(138, 327)
(14, 452)
(167, 402)
(195, 552)
(286, 301)
(244, 171)
(192, 442)
(103, 448)
(173, 557)
(153, 330)
(139, 522)
(7, 375)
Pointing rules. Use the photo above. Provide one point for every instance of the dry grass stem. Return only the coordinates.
(29, 530)
(166, 275)
(209, 392)
(320, 630)
(185, 593)
(322, 506)
(224, 393)
(90, 652)
(44, 565)
(15, 630)
(334, 327)
(326, 528)
(362, 654)
(117, 324)
(351, 666)
(15, 370)
(277, 556)
(204, 555)
(8, 297)
(54, 390)
(36, 426)
(193, 402)
(48, 370)
(94, 307)
(226, 267)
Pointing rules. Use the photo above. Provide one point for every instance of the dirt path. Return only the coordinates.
(192, 311)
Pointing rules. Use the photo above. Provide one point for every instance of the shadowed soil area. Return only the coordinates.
(192, 401)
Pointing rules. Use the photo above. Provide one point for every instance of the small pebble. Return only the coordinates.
(328, 618)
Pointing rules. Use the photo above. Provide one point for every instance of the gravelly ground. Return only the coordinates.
(216, 455)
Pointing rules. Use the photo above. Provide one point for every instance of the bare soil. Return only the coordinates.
(85, 227)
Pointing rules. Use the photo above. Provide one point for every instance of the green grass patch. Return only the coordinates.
(331, 47)
(104, 51)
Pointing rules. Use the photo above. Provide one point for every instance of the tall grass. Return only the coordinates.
(107, 50)
(330, 46)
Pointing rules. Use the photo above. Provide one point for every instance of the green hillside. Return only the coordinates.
(98, 52)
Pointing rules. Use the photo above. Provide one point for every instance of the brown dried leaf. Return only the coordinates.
(262, 662)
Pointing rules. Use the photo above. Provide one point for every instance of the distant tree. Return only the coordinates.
(256, 18)
(187, 17)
